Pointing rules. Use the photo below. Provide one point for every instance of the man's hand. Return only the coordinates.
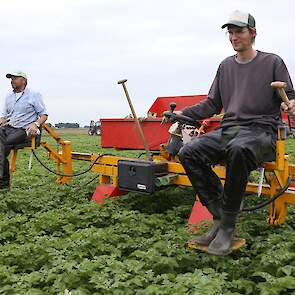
(290, 109)
(177, 112)
(168, 114)
(32, 130)
(3, 121)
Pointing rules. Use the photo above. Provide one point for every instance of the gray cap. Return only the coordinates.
(240, 19)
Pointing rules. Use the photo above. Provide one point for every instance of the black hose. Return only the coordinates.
(63, 174)
(289, 123)
(78, 187)
(272, 199)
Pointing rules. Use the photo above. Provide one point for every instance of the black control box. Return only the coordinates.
(139, 175)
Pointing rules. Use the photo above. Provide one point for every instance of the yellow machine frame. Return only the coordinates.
(106, 166)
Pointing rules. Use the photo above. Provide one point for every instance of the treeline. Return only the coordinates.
(67, 125)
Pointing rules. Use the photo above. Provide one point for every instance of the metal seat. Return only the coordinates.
(30, 143)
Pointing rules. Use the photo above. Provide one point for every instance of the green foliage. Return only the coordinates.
(53, 238)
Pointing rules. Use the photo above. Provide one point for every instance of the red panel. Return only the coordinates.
(285, 119)
(198, 215)
(105, 191)
(122, 133)
(211, 124)
(162, 104)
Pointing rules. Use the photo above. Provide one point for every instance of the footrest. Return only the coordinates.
(237, 244)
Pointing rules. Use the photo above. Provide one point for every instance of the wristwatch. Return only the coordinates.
(37, 124)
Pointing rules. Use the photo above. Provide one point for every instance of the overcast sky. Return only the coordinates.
(75, 51)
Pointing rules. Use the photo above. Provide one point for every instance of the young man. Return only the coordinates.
(23, 114)
(248, 129)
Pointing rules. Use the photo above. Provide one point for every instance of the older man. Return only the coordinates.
(248, 129)
(23, 114)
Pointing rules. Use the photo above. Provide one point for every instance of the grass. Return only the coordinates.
(72, 131)
(53, 238)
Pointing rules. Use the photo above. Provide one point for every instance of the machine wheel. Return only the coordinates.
(98, 131)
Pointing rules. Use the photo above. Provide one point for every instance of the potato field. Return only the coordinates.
(54, 240)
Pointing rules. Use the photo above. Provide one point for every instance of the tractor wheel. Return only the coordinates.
(98, 131)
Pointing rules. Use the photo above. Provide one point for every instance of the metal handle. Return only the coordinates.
(137, 124)
(280, 87)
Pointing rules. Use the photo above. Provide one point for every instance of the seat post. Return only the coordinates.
(280, 147)
(12, 162)
(31, 144)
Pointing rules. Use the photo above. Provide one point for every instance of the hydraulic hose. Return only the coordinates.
(78, 187)
(63, 174)
(272, 199)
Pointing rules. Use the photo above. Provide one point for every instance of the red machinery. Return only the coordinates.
(121, 133)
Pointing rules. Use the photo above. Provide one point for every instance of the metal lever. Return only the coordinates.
(137, 124)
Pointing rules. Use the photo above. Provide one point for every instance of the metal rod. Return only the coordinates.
(165, 180)
(137, 124)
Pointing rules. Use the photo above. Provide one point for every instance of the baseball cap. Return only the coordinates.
(17, 74)
(240, 19)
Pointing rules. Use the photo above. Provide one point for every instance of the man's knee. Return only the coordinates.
(241, 154)
(237, 150)
(184, 153)
(190, 152)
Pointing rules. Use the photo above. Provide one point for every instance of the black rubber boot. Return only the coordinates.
(221, 245)
(4, 181)
(2, 160)
(215, 209)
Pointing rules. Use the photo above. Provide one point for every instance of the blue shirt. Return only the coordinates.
(24, 110)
